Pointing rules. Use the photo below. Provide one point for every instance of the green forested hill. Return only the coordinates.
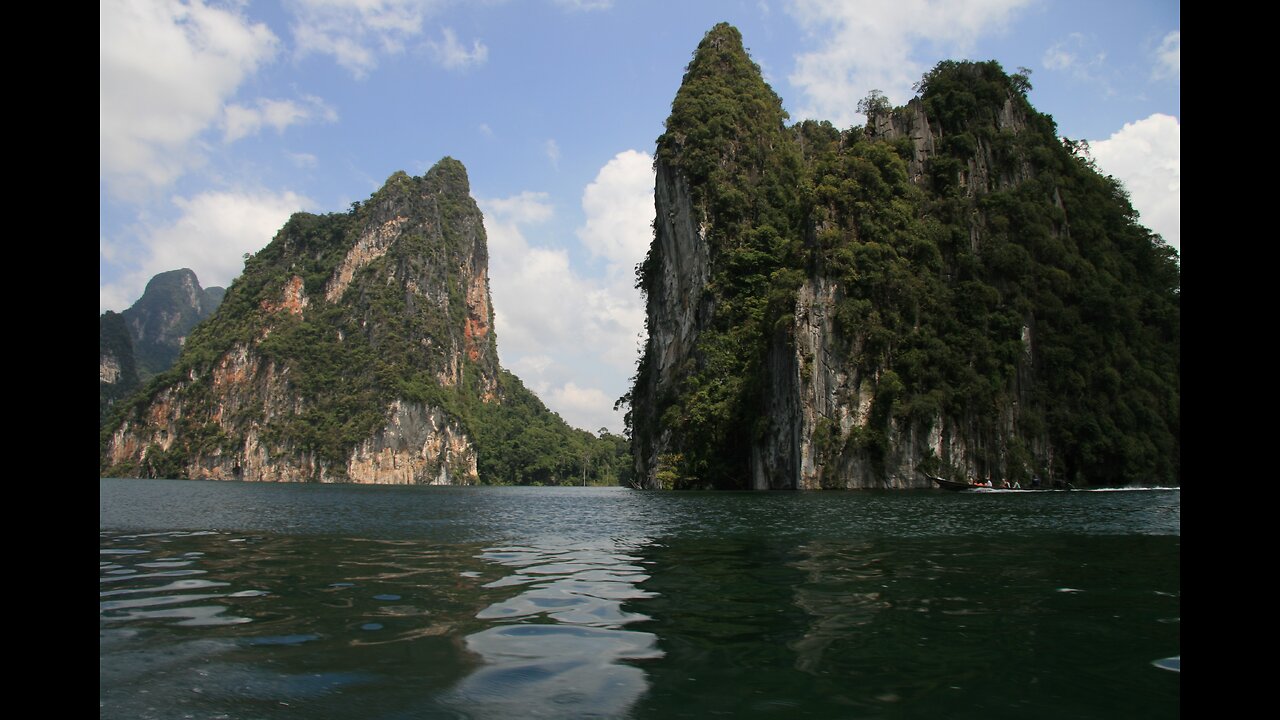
(160, 320)
(145, 339)
(950, 289)
(118, 369)
(357, 346)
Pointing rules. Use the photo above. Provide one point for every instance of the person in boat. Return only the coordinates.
(1035, 482)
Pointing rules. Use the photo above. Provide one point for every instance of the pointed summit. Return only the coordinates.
(355, 347)
(159, 321)
(450, 173)
(949, 291)
(728, 215)
(722, 106)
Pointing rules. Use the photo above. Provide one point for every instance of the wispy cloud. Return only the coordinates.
(552, 149)
(1076, 53)
(585, 5)
(1081, 57)
(211, 234)
(166, 71)
(240, 120)
(453, 55)
(1169, 58)
(306, 161)
(357, 32)
(871, 45)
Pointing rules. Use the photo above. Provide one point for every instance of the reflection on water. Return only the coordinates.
(248, 625)
(141, 586)
(558, 647)
(842, 590)
(339, 626)
(636, 605)
(973, 627)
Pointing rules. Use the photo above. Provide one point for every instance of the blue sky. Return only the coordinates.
(219, 119)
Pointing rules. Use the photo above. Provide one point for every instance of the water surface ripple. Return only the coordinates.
(229, 600)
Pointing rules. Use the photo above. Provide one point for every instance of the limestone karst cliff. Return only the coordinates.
(949, 289)
(355, 347)
(117, 368)
(161, 319)
(145, 339)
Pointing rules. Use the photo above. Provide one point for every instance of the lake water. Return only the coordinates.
(245, 600)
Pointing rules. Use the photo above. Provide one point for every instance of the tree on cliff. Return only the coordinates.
(992, 304)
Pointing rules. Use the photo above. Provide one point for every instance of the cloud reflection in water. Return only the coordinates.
(558, 648)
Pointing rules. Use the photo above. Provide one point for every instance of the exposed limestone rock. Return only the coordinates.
(676, 307)
(373, 244)
(830, 399)
(108, 369)
(293, 299)
(776, 457)
(117, 367)
(478, 315)
(419, 445)
(685, 267)
(909, 122)
(856, 308)
(158, 323)
(412, 287)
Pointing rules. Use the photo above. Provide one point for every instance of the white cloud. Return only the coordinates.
(1059, 56)
(528, 366)
(356, 32)
(585, 405)
(306, 161)
(619, 209)
(1077, 54)
(572, 337)
(453, 55)
(1145, 156)
(527, 207)
(240, 121)
(524, 279)
(1169, 57)
(869, 46)
(552, 149)
(485, 130)
(210, 236)
(166, 69)
(585, 5)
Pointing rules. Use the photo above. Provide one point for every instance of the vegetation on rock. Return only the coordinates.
(119, 375)
(145, 339)
(988, 275)
(409, 321)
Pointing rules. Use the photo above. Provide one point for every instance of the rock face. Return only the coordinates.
(162, 318)
(349, 350)
(677, 306)
(117, 369)
(144, 340)
(917, 296)
(417, 440)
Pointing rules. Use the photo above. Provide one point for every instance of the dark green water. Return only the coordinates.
(240, 600)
